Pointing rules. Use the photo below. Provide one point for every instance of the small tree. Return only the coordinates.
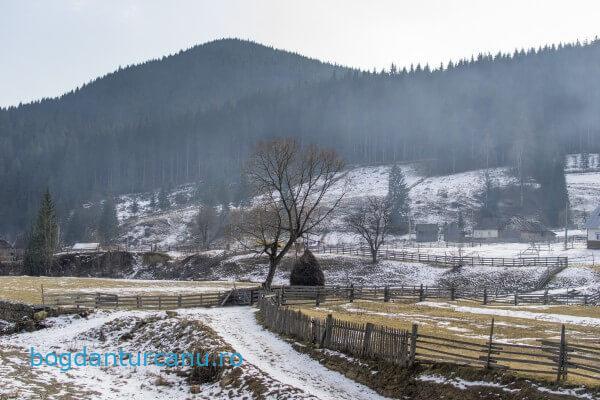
(290, 182)
(108, 223)
(43, 239)
(209, 225)
(399, 200)
(370, 219)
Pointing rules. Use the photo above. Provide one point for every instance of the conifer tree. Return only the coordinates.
(108, 223)
(152, 204)
(399, 200)
(43, 239)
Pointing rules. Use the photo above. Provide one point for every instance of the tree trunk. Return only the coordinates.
(271, 274)
(374, 255)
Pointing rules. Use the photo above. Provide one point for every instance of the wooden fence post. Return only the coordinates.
(561, 370)
(326, 342)
(488, 362)
(421, 293)
(351, 294)
(413, 345)
(386, 294)
(546, 296)
(452, 293)
(138, 302)
(251, 297)
(485, 296)
(318, 298)
(516, 298)
(367, 339)
(179, 301)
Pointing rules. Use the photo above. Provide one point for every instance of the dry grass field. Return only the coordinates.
(29, 289)
(470, 321)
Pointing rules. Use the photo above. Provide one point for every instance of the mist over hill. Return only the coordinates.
(194, 116)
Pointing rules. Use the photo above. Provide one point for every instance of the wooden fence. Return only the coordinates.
(310, 294)
(319, 294)
(555, 360)
(356, 339)
(145, 301)
(445, 260)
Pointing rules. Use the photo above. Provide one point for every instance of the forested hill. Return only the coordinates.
(160, 124)
(70, 143)
(200, 78)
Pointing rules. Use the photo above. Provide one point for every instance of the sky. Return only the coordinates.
(50, 47)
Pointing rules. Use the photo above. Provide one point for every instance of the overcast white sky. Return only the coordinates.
(49, 47)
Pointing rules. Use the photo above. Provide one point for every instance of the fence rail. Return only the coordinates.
(549, 359)
(319, 294)
(146, 301)
(444, 260)
(314, 295)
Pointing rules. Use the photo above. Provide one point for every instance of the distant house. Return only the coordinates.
(453, 233)
(426, 232)
(86, 247)
(526, 230)
(7, 251)
(593, 229)
(486, 229)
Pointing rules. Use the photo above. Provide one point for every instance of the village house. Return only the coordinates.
(487, 229)
(453, 233)
(592, 225)
(526, 230)
(426, 232)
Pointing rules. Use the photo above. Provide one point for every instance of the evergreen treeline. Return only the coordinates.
(194, 116)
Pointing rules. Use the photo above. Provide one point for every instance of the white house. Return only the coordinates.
(593, 229)
(487, 228)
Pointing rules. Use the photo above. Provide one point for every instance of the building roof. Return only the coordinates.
(487, 223)
(5, 244)
(593, 221)
(86, 246)
(522, 224)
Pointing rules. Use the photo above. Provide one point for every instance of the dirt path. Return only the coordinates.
(263, 349)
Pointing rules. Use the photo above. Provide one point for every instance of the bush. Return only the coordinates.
(307, 271)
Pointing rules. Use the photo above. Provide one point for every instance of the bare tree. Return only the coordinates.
(209, 225)
(290, 183)
(370, 219)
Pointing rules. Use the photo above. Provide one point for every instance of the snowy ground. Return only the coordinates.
(435, 199)
(272, 364)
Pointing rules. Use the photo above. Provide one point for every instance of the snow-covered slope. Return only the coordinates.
(434, 199)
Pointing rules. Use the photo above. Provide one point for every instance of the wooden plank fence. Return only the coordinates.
(311, 295)
(356, 339)
(144, 301)
(445, 260)
(549, 359)
(320, 294)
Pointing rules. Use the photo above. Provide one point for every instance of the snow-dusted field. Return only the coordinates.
(28, 289)
(269, 362)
